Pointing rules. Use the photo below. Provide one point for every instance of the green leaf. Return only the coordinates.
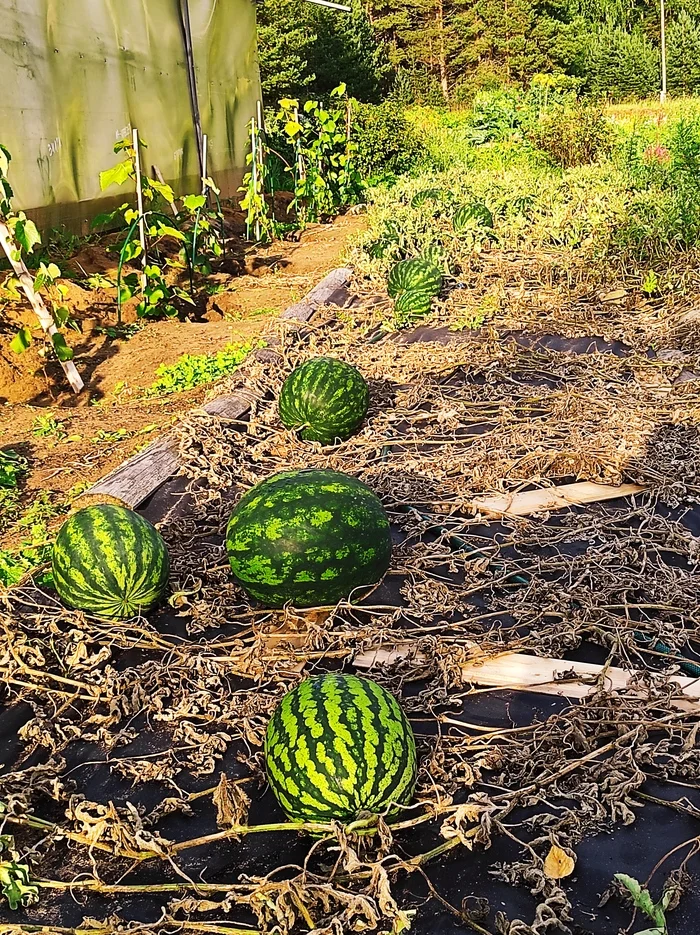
(15, 885)
(211, 185)
(26, 234)
(130, 215)
(4, 161)
(61, 315)
(167, 230)
(103, 219)
(53, 271)
(116, 175)
(165, 191)
(21, 341)
(11, 286)
(340, 90)
(309, 106)
(194, 202)
(63, 352)
(292, 128)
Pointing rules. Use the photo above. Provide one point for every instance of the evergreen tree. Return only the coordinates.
(622, 64)
(683, 59)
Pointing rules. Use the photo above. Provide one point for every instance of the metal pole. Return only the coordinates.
(663, 52)
(192, 77)
(139, 203)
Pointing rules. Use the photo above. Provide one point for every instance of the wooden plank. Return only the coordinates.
(138, 477)
(523, 672)
(330, 291)
(528, 502)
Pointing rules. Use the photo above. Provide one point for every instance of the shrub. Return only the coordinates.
(574, 136)
(386, 141)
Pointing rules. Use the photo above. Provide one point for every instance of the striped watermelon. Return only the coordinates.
(338, 746)
(309, 538)
(109, 561)
(417, 274)
(470, 216)
(324, 399)
(412, 304)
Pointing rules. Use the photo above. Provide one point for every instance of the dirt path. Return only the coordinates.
(92, 434)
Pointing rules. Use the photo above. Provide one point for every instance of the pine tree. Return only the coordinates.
(683, 44)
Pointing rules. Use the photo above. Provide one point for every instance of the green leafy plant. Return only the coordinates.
(12, 467)
(26, 237)
(642, 900)
(192, 370)
(48, 426)
(156, 296)
(36, 542)
(324, 171)
(259, 220)
(15, 879)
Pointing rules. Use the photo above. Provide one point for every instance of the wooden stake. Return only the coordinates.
(139, 202)
(522, 672)
(205, 160)
(36, 301)
(528, 502)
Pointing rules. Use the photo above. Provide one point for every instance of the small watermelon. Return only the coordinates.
(412, 304)
(338, 746)
(309, 538)
(470, 216)
(415, 274)
(109, 561)
(325, 400)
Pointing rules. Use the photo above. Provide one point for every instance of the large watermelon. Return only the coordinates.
(324, 399)
(109, 561)
(309, 538)
(417, 274)
(339, 745)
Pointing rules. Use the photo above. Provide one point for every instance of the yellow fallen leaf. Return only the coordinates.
(558, 864)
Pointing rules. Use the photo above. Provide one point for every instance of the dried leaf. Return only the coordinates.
(558, 864)
(232, 803)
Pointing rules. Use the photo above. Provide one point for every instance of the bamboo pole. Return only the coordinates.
(36, 301)
(139, 202)
(205, 161)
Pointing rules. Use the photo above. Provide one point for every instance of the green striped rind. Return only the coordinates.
(417, 273)
(338, 745)
(109, 561)
(308, 538)
(413, 303)
(325, 400)
(473, 215)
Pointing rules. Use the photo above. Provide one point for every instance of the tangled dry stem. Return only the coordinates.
(449, 422)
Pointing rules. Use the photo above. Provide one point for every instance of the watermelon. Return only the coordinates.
(109, 561)
(338, 746)
(309, 538)
(473, 215)
(324, 399)
(416, 274)
(412, 304)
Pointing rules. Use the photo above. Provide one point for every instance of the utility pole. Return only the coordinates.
(663, 52)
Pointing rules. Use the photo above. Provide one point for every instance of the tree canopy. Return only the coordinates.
(450, 49)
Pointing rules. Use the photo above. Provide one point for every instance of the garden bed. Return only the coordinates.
(120, 734)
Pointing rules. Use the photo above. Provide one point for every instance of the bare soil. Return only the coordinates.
(261, 284)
